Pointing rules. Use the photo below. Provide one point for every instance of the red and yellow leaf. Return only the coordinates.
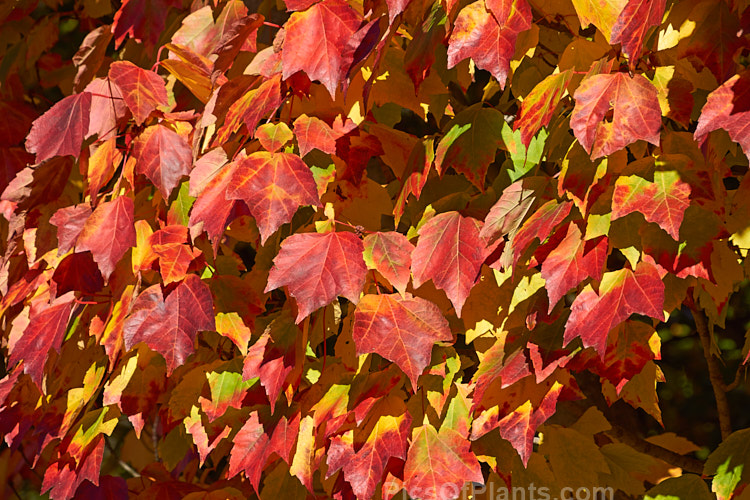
(274, 186)
(663, 201)
(635, 113)
(621, 293)
(401, 329)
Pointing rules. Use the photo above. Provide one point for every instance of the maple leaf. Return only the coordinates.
(163, 156)
(233, 40)
(495, 364)
(471, 143)
(142, 20)
(389, 253)
(61, 130)
(108, 233)
(401, 329)
(364, 468)
(718, 112)
(316, 39)
(194, 427)
(636, 113)
(489, 40)
(273, 136)
(314, 133)
(250, 108)
(621, 293)
(539, 105)
(250, 451)
(269, 362)
(602, 14)
(274, 186)
(539, 226)
(201, 33)
(509, 212)
(572, 261)
(449, 252)
(142, 90)
(633, 23)
(69, 222)
(519, 427)
(211, 211)
(45, 331)
(715, 40)
(107, 107)
(318, 267)
(169, 326)
(439, 464)
(663, 201)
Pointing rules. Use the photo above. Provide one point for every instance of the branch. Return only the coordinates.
(686, 463)
(589, 384)
(714, 373)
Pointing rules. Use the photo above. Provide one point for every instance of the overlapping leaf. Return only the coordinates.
(572, 261)
(539, 106)
(274, 186)
(401, 329)
(718, 113)
(316, 40)
(108, 233)
(169, 326)
(663, 201)
(163, 156)
(142, 90)
(45, 331)
(635, 113)
(439, 464)
(633, 23)
(489, 40)
(61, 130)
(450, 252)
(471, 143)
(389, 253)
(318, 267)
(621, 293)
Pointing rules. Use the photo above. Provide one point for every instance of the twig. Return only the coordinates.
(736, 381)
(126, 467)
(714, 373)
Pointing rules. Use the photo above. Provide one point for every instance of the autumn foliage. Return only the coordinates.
(344, 249)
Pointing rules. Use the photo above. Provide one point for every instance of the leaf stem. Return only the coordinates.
(714, 373)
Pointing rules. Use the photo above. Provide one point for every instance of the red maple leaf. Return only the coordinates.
(449, 252)
(489, 40)
(316, 40)
(572, 261)
(61, 130)
(108, 233)
(163, 156)
(401, 329)
(274, 186)
(636, 113)
(439, 464)
(719, 112)
(621, 293)
(169, 326)
(142, 90)
(318, 267)
(45, 331)
(142, 20)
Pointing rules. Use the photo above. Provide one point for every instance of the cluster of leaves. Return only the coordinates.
(348, 249)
